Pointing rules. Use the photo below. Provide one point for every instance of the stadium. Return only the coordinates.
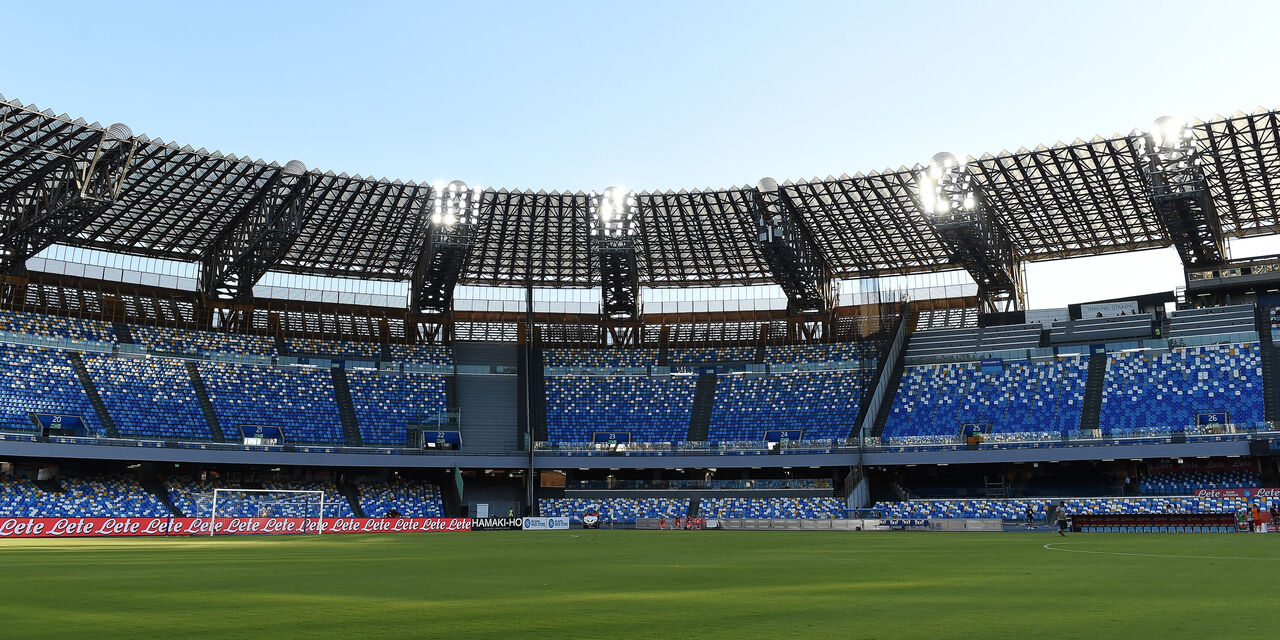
(247, 397)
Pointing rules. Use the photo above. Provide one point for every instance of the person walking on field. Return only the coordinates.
(1031, 515)
(1060, 514)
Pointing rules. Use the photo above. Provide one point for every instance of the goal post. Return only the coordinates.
(268, 503)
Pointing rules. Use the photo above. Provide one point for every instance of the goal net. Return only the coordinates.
(263, 511)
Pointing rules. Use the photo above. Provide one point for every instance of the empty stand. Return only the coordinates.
(964, 341)
(299, 400)
(91, 497)
(73, 329)
(37, 380)
(1212, 321)
(1031, 398)
(825, 404)
(385, 404)
(1151, 391)
(623, 510)
(409, 499)
(148, 397)
(1101, 330)
(787, 508)
(653, 409)
(193, 342)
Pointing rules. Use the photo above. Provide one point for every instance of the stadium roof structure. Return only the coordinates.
(1085, 197)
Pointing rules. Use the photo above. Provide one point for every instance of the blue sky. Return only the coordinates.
(648, 95)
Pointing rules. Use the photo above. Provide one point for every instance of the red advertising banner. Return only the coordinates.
(101, 527)
(1238, 493)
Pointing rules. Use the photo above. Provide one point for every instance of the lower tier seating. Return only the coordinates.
(409, 499)
(1015, 509)
(653, 409)
(194, 498)
(624, 510)
(1187, 482)
(789, 508)
(90, 497)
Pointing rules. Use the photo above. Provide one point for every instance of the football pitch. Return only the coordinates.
(644, 584)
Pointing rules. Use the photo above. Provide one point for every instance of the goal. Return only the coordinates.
(303, 506)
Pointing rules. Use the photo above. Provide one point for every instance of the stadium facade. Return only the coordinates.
(175, 320)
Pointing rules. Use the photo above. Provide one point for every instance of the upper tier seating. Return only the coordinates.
(1039, 399)
(38, 380)
(410, 499)
(91, 497)
(56, 326)
(653, 409)
(615, 358)
(423, 354)
(1015, 509)
(980, 340)
(299, 400)
(1175, 483)
(789, 508)
(709, 355)
(1275, 324)
(148, 396)
(334, 348)
(819, 353)
(823, 403)
(1212, 321)
(1147, 392)
(385, 403)
(186, 341)
(625, 510)
(1100, 330)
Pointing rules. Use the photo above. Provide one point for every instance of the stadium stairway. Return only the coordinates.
(346, 410)
(206, 407)
(123, 335)
(386, 350)
(694, 504)
(157, 488)
(538, 402)
(1091, 412)
(487, 403)
(282, 346)
(877, 428)
(704, 397)
(91, 390)
(1270, 366)
(352, 494)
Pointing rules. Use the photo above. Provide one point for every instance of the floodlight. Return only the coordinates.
(119, 131)
(1167, 132)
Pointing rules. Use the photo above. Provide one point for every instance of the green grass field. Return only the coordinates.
(643, 584)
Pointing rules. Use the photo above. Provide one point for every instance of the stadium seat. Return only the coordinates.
(653, 409)
(1027, 399)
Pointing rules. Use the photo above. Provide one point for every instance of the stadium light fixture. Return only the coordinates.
(614, 213)
(945, 187)
(454, 203)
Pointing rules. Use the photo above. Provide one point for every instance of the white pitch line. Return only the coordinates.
(1151, 555)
